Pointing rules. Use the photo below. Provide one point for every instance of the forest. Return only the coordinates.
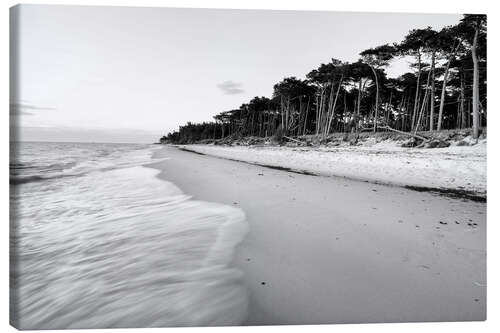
(444, 89)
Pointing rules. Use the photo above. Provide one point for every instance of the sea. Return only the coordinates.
(97, 240)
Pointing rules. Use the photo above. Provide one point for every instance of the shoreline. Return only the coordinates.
(447, 192)
(323, 250)
(457, 171)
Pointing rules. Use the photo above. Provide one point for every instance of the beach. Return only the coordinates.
(335, 250)
(459, 169)
(183, 167)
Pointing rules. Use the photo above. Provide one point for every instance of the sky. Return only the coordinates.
(128, 74)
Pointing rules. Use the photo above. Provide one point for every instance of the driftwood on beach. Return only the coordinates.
(294, 140)
(404, 133)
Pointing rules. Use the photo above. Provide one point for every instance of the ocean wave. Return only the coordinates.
(122, 248)
(75, 166)
(18, 179)
(20, 166)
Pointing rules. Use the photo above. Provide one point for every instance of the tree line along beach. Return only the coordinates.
(352, 120)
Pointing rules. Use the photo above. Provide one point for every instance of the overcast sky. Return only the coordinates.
(132, 74)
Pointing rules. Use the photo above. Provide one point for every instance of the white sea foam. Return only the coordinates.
(118, 247)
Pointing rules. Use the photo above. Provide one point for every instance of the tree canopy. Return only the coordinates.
(445, 88)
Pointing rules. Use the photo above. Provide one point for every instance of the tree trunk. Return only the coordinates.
(475, 89)
(443, 96)
(387, 109)
(424, 104)
(328, 111)
(358, 106)
(443, 91)
(463, 114)
(321, 109)
(401, 132)
(307, 112)
(334, 105)
(288, 115)
(415, 105)
(282, 112)
(376, 100)
(253, 124)
(317, 112)
(433, 86)
(402, 110)
(359, 98)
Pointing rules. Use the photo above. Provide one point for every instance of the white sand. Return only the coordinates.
(454, 167)
(332, 250)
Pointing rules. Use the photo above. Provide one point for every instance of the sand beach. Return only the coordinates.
(334, 250)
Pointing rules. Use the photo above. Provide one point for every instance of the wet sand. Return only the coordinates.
(332, 250)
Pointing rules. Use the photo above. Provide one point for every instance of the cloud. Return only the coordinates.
(20, 109)
(230, 88)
